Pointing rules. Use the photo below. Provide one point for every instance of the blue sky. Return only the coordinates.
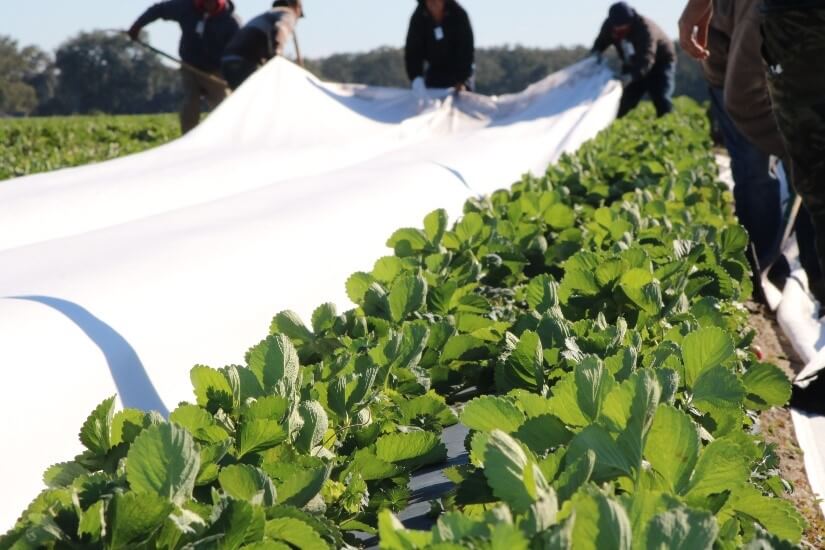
(342, 25)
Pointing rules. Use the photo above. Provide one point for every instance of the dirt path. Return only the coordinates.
(777, 426)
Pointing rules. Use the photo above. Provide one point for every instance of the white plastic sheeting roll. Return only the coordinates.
(119, 277)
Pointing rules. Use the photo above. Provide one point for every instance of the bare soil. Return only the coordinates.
(777, 426)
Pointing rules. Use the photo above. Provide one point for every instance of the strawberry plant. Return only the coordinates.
(585, 325)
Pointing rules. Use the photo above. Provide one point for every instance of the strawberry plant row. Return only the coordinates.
(35, 145)
(594, 315)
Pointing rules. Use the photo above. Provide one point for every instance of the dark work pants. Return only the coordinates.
(756, 194)
(196, 86)
(237, 70)
(659, 84)
(758, 200)
(794, 49)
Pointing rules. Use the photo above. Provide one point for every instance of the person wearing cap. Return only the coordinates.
(263, 38)
(440, 49)
(648, 58)
(206, 26)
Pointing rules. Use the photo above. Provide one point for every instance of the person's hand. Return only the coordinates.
(460, 87)
(134, 32)
(419, 87)
(693, 28)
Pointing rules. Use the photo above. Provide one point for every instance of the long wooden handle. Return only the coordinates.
(184, 65)
(297, 49)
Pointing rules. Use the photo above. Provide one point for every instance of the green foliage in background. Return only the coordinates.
(28, 146)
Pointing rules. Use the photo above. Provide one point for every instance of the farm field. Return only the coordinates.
(35, 145)
(587, 326)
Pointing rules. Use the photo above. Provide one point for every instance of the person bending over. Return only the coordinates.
(263, 38)
(440, 50)
(648, 58)
(206, 27)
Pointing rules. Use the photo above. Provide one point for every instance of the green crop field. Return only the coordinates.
(32, 145)
(585, 325)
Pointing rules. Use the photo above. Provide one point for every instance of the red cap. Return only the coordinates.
(220, 5)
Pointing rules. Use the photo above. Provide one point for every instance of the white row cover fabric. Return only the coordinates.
(119, 277)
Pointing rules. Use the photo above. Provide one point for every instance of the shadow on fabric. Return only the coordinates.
(132, 382)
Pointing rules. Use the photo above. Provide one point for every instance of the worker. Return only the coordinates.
(440, 50)
(207, 26)
(757, 194)
(727, 37)
(648, 58)
(793, 50)
(260, 40)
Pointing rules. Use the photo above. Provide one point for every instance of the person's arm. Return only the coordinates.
(693, 28)
(168, 10)
(603, 41)
(414, 52)
(284, 27)
(465, 56)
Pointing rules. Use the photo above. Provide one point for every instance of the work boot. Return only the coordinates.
(811, 399)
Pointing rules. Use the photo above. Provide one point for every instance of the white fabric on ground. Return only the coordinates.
(119, 277)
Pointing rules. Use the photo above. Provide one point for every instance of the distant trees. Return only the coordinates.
(499, 70)
(104, 72)
(512, 69)
(92, 72)
(26, 78)
(379, 67)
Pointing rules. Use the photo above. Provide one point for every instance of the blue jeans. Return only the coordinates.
(756, 194)
(659, 84)
(759, 204)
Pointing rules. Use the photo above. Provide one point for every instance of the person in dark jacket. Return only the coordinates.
(440, 50)
(648, 57)
(260, 40)
(207, 26)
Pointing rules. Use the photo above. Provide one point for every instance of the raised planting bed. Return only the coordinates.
(585, 326)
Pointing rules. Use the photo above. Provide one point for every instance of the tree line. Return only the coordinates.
(100, 72)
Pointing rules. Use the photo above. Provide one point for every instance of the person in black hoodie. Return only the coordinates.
(648, 57)
(440, 50)
(207, 26)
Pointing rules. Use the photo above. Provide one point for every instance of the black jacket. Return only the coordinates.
(782, 5)
(650, 43)
(203, 51)
(443, 57)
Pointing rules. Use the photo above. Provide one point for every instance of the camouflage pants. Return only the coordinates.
(794, 49)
